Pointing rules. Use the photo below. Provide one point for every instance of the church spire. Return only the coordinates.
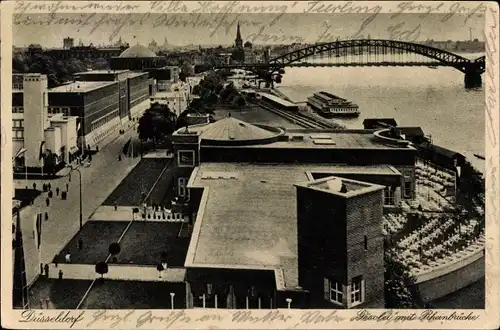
(238, 42)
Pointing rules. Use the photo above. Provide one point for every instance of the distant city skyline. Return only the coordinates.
(214, 29)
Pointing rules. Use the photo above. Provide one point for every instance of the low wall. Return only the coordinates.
(439, 286)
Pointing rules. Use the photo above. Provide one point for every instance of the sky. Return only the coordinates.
(220, 29)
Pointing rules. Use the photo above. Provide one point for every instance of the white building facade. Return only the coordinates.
(35, 130)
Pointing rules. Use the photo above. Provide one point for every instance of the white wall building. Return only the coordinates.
(32, 126)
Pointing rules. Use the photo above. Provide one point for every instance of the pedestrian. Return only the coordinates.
(63, 195)
(116, 207)
(80, 243)
(57, 191)
(49, 186)
(68, 258)
(41, 269)
(47, 301)
(46, 268)
(41, 303)
(47, 201)
(34, 186)
(67, 186)
(96, 148)
(44, 187)
(51, 194)
(88, 147)
(46, 216)
(60, 274)
(119, 158)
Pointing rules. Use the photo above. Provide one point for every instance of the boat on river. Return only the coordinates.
(329, 105)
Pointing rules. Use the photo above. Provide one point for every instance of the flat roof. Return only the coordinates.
(101, 72)
(248, 214)
(81, 86)
(128, 73)
(321, 139)
(334, 185)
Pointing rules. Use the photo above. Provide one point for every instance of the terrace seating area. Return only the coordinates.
(435, 188)
(438, 240)
(394, 223)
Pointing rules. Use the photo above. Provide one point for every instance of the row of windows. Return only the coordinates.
(17, 109)
(64, 110)
(103, 120)
(17, 86)
(335, 291)
(17, 123)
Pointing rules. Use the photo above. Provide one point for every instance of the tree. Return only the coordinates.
(196, 90)
(240, 101)
(101, 268)
(146, 126)
(400, 288)
(114, 249)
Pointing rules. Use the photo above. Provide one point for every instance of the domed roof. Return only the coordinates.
(137, 51)
(231, 129)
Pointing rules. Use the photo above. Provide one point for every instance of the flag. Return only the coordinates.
(20, 152)
(41, 150)
(20, 290)
(78, 127)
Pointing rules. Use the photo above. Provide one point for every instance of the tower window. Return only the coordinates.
(357, 290)
(334, 291)
(185, 158)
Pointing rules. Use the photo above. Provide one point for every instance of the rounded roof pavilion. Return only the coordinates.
(137, 51)
(232, 131)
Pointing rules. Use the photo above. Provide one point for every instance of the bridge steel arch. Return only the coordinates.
(445, 57)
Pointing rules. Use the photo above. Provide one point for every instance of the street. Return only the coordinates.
(98, 181)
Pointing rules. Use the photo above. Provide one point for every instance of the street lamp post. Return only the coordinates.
(80, 181)
(172, 295)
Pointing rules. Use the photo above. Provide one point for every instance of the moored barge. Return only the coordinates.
(329, 105)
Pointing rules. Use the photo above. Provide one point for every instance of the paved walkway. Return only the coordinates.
(118, 272)
(98, 181)
(124, 213)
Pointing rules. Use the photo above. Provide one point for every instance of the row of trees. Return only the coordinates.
(58, 71)
(157, 123)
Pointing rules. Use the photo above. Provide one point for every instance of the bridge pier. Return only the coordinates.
(473, 80)
(472, 77)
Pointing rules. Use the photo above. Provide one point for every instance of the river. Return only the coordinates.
(434, 99)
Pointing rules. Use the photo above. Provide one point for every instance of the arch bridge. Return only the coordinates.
(472, 69)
